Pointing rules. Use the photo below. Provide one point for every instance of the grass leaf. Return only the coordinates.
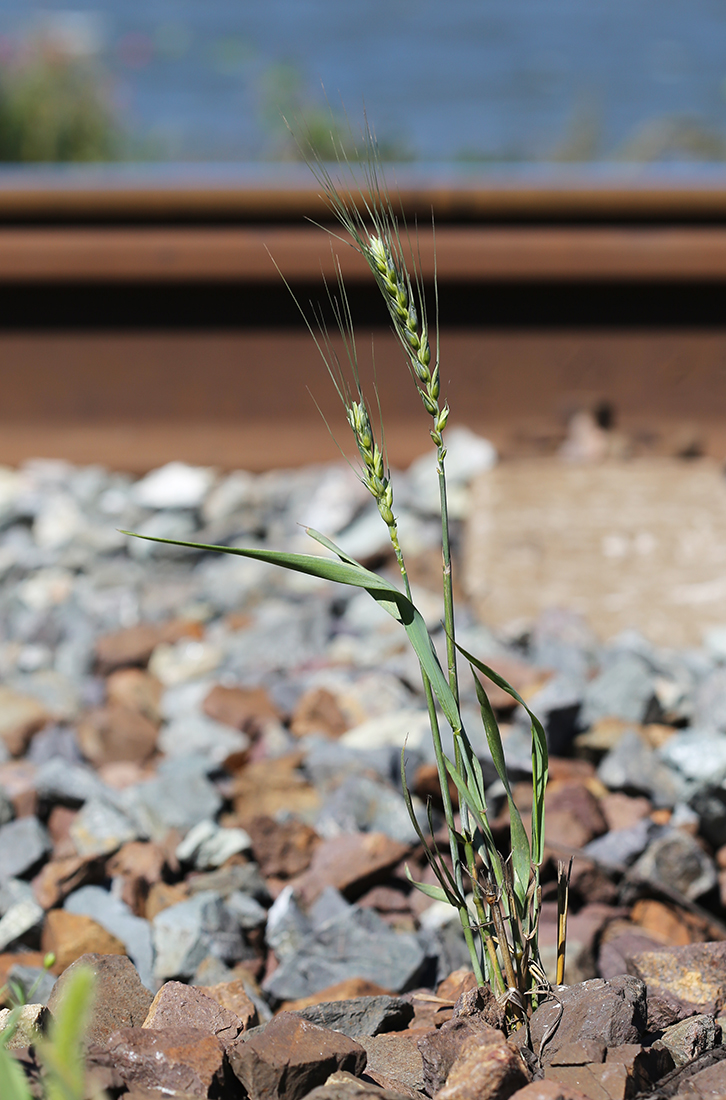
(539, 756)
(350, 572)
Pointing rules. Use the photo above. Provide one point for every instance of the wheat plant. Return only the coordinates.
(496, 895)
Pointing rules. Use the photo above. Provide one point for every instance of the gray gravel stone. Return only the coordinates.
(687, 1039)
(35, 982)
(118, 919)
(361, 804)
(357, 944)
(23, 843)
(623, 846)
(197, 734)
(209, 845)
(184, 934)
(624, 689)
(697, 754)
(100, 829)
(177, 799)
(359, 1016)
(58, 780)
(246, 910)
(20, 911)
(676, 860)
(633, 766)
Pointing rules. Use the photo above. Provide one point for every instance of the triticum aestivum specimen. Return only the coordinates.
(395, 284)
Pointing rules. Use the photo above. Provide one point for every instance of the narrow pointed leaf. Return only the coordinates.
(435, 892)
(436, 863)
(521, 858)
(348, 571)
(539, 756)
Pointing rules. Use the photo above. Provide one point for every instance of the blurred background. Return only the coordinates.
(500, 80)
(573, 155)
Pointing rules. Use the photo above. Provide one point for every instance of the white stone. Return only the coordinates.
(58, 522)
(409, 726)
(209, 845)
(46, 588)
(336, 501)
(467, 455)
(195, 733)
(232, 493)
(184, 660)
(175, 485)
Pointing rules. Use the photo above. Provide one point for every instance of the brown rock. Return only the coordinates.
(426, 785)
(20, 717)
(113, 733)
(179, 1005)
(548, 1090)
(644, 1066)
(592, 883)
(429, 1011)
(609, 1012)
(622, 810)
(59, 878)
(572, 815)
(344, 1086)
(394, 1056)
(282, 849)
(120, 1000)
(581, 1052)
(318, 711)
(458, 982)
(162, 895)
(245, 709)
(387, 900)
(485, 1067)
(136, 690)
(290, 1057)
(341, 991)
(266, 786)
(9, 959)
(140, 864)
(440, 1049)
(177, 1059)
(619, 941)
(352, 863)
(569, 768)
(481, 1006)
(17, 779)
(706, 1084)
(669, 923)
(597, 1082)
(233, 996)
(135, 644)
(71, 935)
(564, 831)
(682, 981)
(60, 820)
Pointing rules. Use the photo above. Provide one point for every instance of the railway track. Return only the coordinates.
(143, 319)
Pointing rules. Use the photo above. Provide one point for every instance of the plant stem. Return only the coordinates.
(443, 780)
(448, 580)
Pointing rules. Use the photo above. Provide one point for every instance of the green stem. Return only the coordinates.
(448, 580)
(443, 779)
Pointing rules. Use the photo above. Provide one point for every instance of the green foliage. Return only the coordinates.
(496, 895)
(53, 108)
(60, 1052)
